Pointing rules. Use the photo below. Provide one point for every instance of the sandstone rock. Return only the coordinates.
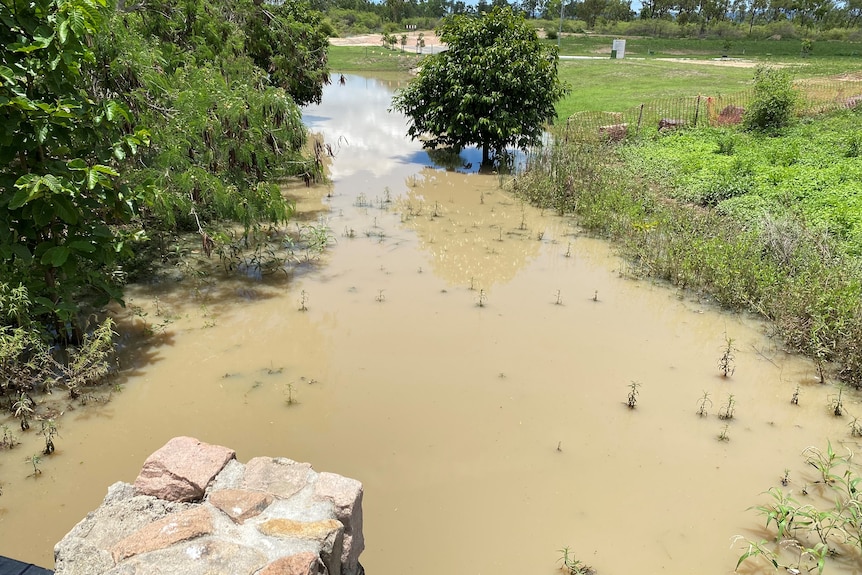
(328, 534)
(300, 564)
(204, 556)
(346, 497)
(174, 528)
(280, 476)
(76, 556)
(182, 469)
(239, 504)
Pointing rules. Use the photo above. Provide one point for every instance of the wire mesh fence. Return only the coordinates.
(817, 96)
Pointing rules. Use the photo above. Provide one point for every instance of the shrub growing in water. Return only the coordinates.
(774, 100)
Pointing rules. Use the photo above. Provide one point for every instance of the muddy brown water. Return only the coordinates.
(488, 437)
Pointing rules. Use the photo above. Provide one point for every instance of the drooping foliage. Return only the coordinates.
(65, 214)
(218, 84)
(495, 86)
(215, 83)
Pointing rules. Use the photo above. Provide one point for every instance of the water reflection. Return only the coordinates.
(356, 114)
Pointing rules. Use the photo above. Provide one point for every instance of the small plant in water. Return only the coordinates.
(795, 399)
(855, 428)
(380, 297)
(596, 295)
(8, 440)
(632, 400)
(559, 299)
(726, 362)
(35, 460)
(49, 430)
(785, 479)
(568, 253)
(23, 409)
(303, 300)
(572, 565)
(836, 403)
(289, 392)
(722, 436)
(726, 411)
(703, 404)
(483, 297)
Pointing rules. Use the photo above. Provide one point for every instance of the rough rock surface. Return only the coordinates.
(182, 469)
(272, 516)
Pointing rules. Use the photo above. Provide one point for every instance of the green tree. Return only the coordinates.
(65, 215)
(495, 86)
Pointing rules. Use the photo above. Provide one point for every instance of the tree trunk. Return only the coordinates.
(485, 157)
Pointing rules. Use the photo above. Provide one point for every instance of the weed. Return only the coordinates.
(722, 435)
(855, 428)
(726, 144)
(596, 295)
(726, 362)
(726, 410)
(380, 297)
(472, 285)
(49, 430)
(289, 392)
(559, 300)
(824, 463)
(23, 409)
(703, 404)
(836, 403)
(632, 400)
(785, 479)
(795, 398)
(8, 440)
(35, 460)
(303, 300)
(560, 446)
(483, 298)
(540, 235)
(568, 253)
(572, 565)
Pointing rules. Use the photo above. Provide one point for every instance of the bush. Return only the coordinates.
(550, 34)
(774, 100)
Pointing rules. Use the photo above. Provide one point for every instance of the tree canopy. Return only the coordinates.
(217, 86)
(495, 86)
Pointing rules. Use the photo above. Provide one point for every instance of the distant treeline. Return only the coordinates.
(786, 18)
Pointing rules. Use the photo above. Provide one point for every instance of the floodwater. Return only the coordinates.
(466, 357)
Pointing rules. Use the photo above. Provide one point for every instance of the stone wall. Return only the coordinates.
(195, 510)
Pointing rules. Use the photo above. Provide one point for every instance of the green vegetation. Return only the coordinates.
(827, 524)
(773, 104)
(495, 86)
(773, 227)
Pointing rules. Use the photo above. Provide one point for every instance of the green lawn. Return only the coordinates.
(370, 59)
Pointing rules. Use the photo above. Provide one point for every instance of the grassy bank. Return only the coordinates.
(370, 59)
(771, 227)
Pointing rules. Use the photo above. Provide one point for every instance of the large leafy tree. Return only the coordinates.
(65, 215)
(495, 86)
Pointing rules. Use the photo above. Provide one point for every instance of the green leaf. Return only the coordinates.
(55, 256)
(22, 253)
(64, 208)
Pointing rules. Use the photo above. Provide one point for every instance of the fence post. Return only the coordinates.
(697, 111)
(640, 115)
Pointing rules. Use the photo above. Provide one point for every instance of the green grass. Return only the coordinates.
(370, 59)
(639, 47)
(616, 85)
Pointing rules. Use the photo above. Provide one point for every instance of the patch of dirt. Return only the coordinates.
(729, 62)
(431, 39)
